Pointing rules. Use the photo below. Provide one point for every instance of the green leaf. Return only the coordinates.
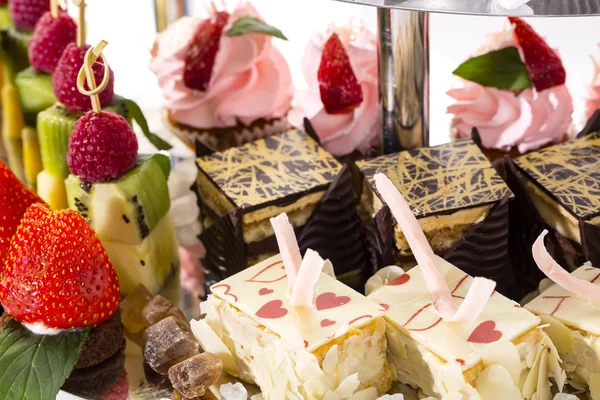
(138, 116)
(34, 367)
(246, 25)
(502, 69)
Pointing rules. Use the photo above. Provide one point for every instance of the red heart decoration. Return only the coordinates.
(485, 333)
(264, 291)
(329, 300)
(327, 322)
(401, 280)
(272, 310)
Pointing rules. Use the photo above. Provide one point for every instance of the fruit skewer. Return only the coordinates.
(124, 197)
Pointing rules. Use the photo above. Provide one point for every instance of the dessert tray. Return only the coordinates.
(539, 8)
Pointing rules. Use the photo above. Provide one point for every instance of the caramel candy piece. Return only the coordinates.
(195, 375)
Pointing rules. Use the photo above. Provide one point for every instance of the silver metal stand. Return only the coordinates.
(404, 78)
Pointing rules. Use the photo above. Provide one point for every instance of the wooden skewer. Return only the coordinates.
(86, 73)
(81, 31)
(54, 8)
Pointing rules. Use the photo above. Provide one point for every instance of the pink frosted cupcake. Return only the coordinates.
(223, 81)
(342, 100)
(514, 93)
(592, 100)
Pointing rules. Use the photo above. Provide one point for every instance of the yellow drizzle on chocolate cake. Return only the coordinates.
(570, 173)
(270, 169)
(440, 179)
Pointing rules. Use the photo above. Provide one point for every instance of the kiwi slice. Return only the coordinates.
(51, 189)
(151, 263)
(13, 48)
(127, 209)
(55, 125)
(12, 126)
(35, 93)
(5, 21)
(32, 160)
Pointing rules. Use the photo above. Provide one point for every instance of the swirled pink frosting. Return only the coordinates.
(250, 78)
(592, 100)
(527, 121)
(341, 134)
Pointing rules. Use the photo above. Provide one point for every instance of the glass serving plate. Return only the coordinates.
(541, 8)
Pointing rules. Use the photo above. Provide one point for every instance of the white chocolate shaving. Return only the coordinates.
(308, 275)
(438, 287)
(505, 354)
(288, 247)
(475, 301)
(210, 342)
(559, 275)
(442, 300)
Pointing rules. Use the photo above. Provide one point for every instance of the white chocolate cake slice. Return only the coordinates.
(573, 324)
(333, 350)
(502, 354)
(452, 336)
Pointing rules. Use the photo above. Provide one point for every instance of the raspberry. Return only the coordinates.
(102, 147)
(64, 80)
(201, 54)
(49, 39)
(26, 13)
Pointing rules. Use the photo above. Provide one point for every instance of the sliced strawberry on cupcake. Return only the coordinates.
(340, 91)
(15, 198)
(544, 65)
(57, 275)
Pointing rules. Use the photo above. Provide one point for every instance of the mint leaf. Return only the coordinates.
(34, 367)
(502, 69)
(246, 25)
(138, 116)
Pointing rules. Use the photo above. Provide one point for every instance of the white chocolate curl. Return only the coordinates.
(559, 275)
(481, 289)
(308, 275)
(288, 247)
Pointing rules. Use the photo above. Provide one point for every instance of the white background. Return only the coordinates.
(128, 25)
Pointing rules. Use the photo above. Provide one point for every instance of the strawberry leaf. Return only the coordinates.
(247, 25)
(502, 69)
(34, 367)
(138, 116)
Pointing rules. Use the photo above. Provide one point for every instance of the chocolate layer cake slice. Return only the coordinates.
(563, 182)
(461, 204)
(241, 188)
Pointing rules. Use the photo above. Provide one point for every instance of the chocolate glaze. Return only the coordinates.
(526, 224)
(592, 126)
(333, 230)
(225, 248)
(483, 250)
(590, 239)
(380, 241)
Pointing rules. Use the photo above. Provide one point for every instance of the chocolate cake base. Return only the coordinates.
(93, 382)
(103, 342)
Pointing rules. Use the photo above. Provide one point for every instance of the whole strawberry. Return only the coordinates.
(50, 38)
(57, 274)
(15, 198)
(202, 52)
(340, 90)
(64, 80)
(102, 147)
(26, 13)
(544, 65)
